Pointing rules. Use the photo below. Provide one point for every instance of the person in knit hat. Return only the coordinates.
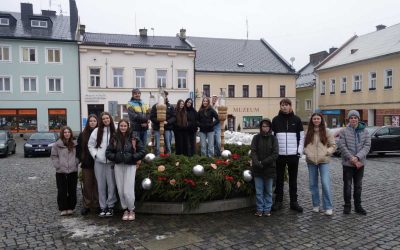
(354, 144)
(139, 115)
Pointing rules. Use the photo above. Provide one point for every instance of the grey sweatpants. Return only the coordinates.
(125, 178)
(105, 184)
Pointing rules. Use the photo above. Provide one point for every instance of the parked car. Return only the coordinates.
(7, 143)
(40, 144)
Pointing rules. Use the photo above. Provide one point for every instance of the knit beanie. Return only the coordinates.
(353, 113)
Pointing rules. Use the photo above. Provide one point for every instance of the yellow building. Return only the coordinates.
(363, 74)
(252, 75)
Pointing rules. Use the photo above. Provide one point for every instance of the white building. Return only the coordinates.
(111, 65)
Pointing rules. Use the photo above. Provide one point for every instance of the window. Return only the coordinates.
(28, 54)
(38, 24)
(372, 80)
(388, 79)
(322, 88)
(18, 120)
(29, 84)
(95, 77)
(357, 83)
(343, 84)
(5, 84)
(53, 55)
(245, 90)
(54, 84)
(259, 91)
(140, 78)
(181, 79)
(251, 122)
(332, 87)
(4, 21)
(206, 90)
(282, 91)
(231, 91)
(5, 53)
(161, 78)
(118, 77)
(308, 104)
(57, 119)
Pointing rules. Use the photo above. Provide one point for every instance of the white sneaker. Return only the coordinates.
(315, 209)
(64, 212)
(126, 215)
(329, 212)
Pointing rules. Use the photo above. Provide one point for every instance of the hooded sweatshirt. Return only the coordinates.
(64, 161)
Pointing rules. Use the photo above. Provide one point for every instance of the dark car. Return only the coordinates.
(384, 139)
(40, 144)
(7, 143)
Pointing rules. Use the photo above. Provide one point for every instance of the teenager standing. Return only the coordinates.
(207, 119)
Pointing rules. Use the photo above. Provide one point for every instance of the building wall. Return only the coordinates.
(129, 59)
(240, 107)
(42, 100)
(303, 94)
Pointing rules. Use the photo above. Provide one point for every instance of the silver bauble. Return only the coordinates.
(239, 143)
(198, 170)
(150, 144)
(149, 157)
(147, 184)
(247, 175)
(226, 154)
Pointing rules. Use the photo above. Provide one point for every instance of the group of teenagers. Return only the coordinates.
(109, 156)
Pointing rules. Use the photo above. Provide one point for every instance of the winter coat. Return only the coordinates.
(171, 118)
(191, 119)
(264, 152)
(207, 119)
(354, 142)
(82, 152)
(316, 152)
(138, 113)
(99, 154)
(118, 152)
(288, 128)
(64, 161)
(181, 123)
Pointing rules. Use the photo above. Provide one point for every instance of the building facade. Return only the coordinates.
(250, 74)
(112, 65)
(364, 75)
(39, 73)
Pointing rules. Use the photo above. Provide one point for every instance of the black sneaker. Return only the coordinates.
(85, 211)
(103, 212)
(296, 207)
(110, 212)
(360, 210)
(346, 209)
(277, 206)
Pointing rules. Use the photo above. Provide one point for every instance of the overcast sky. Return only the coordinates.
(294, 28)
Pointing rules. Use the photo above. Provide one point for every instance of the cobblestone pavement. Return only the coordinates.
(30, 219)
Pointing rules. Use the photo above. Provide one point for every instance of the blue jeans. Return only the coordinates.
(142, 136)
(323, 170)
(207, 143)
(167, 141)
(263, 193)
(217, 139)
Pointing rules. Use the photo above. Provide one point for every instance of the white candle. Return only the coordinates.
(161, 100)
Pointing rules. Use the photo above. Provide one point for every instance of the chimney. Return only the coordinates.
(143, 32)
(48, 13)
(380, 27)
(73, 17)
(331, 50)
(182, 34)
(26, 10)
(318, 57)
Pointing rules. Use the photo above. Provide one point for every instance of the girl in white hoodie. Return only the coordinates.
(103, 168)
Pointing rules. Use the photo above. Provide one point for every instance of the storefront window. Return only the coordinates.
(57, 119)
(8, 120)
(251, 122)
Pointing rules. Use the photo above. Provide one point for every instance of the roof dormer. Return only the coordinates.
(4, 21)
(41, 22)
(7, 19)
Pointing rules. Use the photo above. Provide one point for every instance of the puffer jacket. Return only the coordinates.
(264, 152)
(124, 153)
(99, 154)
(288, 128)
(64, 161)
(207, 119)
(354, 142)
(316, 152)
(139, 113)
(170, 118)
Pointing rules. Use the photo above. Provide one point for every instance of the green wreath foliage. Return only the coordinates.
(222, 178)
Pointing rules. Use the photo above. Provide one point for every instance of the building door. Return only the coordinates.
(96, 109)
(231, 122)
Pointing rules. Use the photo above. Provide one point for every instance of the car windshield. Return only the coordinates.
(371, 129)
(43, 136)
(2, 136)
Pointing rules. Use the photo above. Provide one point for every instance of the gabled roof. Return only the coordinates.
(372, 45)
(135, 41)
(306, 77)
(238, 56)
(59, 30)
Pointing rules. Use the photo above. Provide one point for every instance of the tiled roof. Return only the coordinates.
(306, 77)
(234, 55)
(135, 41)
(368, 46)
(60, 29)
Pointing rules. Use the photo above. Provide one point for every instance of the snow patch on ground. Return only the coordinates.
(82, 229)
(238, 138)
